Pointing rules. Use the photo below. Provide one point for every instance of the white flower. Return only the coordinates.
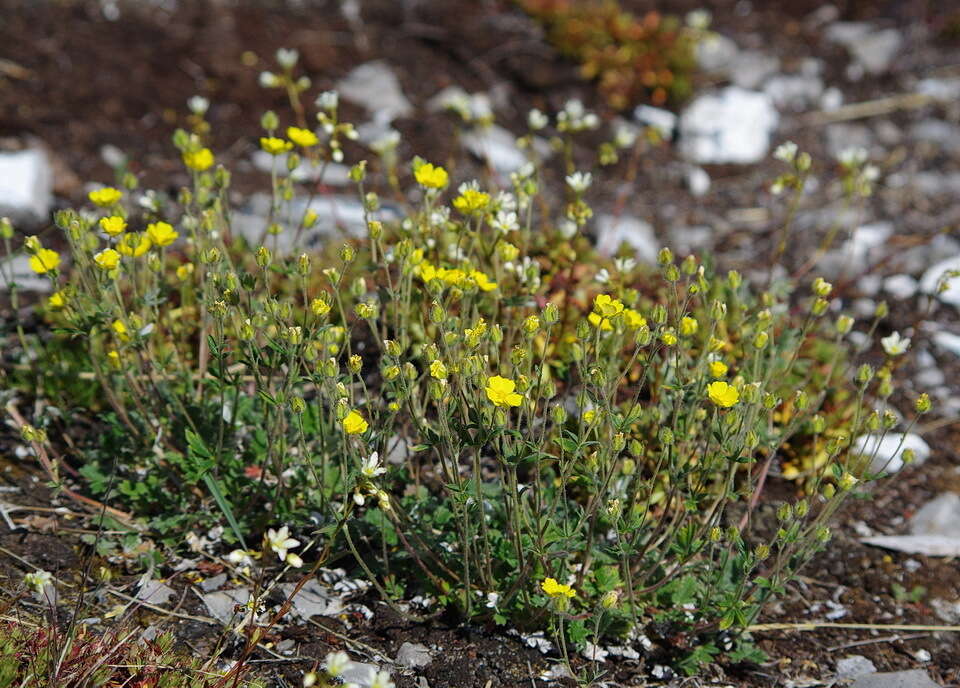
(198, 105)
(280, 541)
(287, 57)
(625, 136)
(574, 108)
(579, 181)
(568, 228)
(269, 80)
(386, 143)
(371, 466)
(625, 264)
(536, 119)
(699, 19)
(786, 152)
(895, 345)
(38, 580)
(505, 201)
(337, 663)
(328, 100)
(852, 157)
(358, 499)
(240, 557)
(493, 598)
(293, 560)
(380, 679)
(603, 276)
(505, 221)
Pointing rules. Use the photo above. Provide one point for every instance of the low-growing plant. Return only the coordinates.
(455, 402)
(633, 59)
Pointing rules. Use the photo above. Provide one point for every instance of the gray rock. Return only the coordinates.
(866, 244)
(750, 69)
(334, 174)
(901, 287)
(156, 593)
(638, 234)
(360, 674)
(831, 99)
(715, 53)
(846, 33)
(220, 604)
(26, 186)
(854, 666)
(946, 610)
(498, 148)
(687, 240)
(875, 51)
(915, 678)
(414, 655)
(314, 599)
(948, 342)
(211, 584)
(887, 450)
(842, 136)
(733, 125)
(794, 91)
(941, 89)
(935, 183)
(374, 86)
(931, 280)
(939, 516)
(938, 133)
(928, 545)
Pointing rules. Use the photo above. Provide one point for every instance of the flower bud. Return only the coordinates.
(263, 256)
(923, 405)
(844, 324)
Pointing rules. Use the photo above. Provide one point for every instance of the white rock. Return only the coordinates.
(941, 89)
(750, 69)
(887, 450)
(875, 52)
(496, 146)
(359, 674)
(946, 610)
(930, 281)
(928, 545)
(937, 132)
(374, 86)
(865, 244)
(638, 234)
(715, 53)
(729, 126)
(697, 179)
(16, 270)
(939, 516)
(794, 91)
(334, 174)
(26, 186)
(664, 120)
(846, 33)
(901, 287)
(854, 666)
(948, 342)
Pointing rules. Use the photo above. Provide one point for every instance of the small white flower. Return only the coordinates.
(280, 541)
(579, 181)
(895, 345)
(493, 598)
(536, 119)
(505, 221)
(287, 57)
(240, 557)
(603, 276)
(198, 105)
(38, 580)
(568, 228)
(358, 499)
(371, 466)
(625, 136)
(505, 201)
(591, 121)
(786, 152)
(472, 185)
(699, 19)
(309, 679)
(328, 100)
(852, 157)
(337, 663)
(574, 108)
(380, 679)
(625, 264)
(268, 80)
(386, 143)
(293, 560)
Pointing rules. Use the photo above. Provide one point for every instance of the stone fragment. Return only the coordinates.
(939, 516)
(887, 450)
(915, 678)
(854, 666)
(414, 655)
(638, 234)
(26, 186)
(376, 87)
(732, 125)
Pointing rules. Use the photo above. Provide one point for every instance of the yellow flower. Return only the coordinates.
(438, 370)
(722, 394)
(107, 259)
(688, 326)
(113, 225)
(555, 589)
(133, 244)
(716, 344)
(430, 176)
(302, 137)
(105, 197)
(184, 272)
(161, 233)
(275, 146)
(607, 306)
(121, 331)
(114, 358)
(634, 320)
(603, 323)
(354, 423)
(427, 271)
(57, 300)
(483, 282)
(44, 260)
(718, 368)
(471, 201)
(500, 391)
(199, 160)
(668, 337)
(320, 307)
(453, 276)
